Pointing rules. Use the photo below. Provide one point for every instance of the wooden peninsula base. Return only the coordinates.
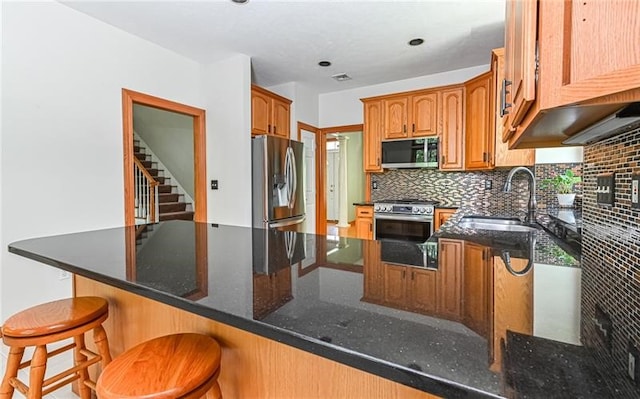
(252, 366)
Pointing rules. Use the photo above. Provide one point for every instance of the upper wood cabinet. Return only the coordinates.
(504, 157)
(433, 112)
(587, 66)
(410, 115)
(372, 136)
(452, 134)
(479, 130)
(520, 58)
(270, 113)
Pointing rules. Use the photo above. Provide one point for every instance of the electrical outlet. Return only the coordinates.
(214, 184)
(635, 188)
(488, 184)
(633, 362)
(374, 185)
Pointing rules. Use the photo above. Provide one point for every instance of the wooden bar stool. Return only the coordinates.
(48, 323)
(181, 366)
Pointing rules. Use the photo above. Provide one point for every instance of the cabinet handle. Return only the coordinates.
(274, 129)
(503, 98)
(404, 128)
(269, 129)
(413, 127)
(404, 273)
(371, 227)
(483, 254)
(378, 161)
(442, 160)
(412, 274)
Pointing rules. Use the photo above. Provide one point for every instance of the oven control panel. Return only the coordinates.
(404, 209)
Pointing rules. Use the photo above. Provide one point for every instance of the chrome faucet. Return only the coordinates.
(531, 210)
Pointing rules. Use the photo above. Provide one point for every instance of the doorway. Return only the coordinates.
(129, 98)
(355, 170)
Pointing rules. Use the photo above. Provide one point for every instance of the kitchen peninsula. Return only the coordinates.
(319, 336)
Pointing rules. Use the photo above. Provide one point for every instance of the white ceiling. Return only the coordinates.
(287, 39)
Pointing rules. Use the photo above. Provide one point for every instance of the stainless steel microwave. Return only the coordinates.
(410, 153)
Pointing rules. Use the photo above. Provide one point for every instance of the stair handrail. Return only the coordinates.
(152, 183)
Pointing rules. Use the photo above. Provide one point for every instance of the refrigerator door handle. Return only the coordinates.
(294, 179)
(287, 174)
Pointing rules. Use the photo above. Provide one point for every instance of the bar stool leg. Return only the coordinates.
(214, 392)
(100, 339)
(38, 368)
(13, 363)
(83, 389)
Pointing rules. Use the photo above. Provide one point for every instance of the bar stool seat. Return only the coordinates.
(46, 324)
(173, 366)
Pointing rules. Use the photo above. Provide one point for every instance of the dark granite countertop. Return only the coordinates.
(363, 203)
(338, 308)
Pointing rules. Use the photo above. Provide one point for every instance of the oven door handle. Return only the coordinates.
(413, 218)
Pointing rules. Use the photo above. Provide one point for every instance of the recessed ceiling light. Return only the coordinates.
(341, 77)
(416, 42)
(240, 1)
(324, 63)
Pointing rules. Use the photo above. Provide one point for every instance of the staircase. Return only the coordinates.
(171, 204)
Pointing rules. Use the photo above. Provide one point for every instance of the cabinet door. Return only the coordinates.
(372, 136)
(422, 286)
(479, 131)
(260, 113)
(424, 114)
(395, 112)
(364, 222)
(504, 156)
(280, 119)
(476, 287)
(602, 48)
(395, 284)
(451, 144)
(520, 56)
(449, 278)
(441, 216)
(373, 274)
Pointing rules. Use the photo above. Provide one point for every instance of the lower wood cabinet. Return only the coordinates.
(364, 222)
(270, 291)
(431, 292)
(477, 288)
(440, 217)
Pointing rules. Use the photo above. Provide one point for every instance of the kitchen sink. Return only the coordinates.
(496, 224)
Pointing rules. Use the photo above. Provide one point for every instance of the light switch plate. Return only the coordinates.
(635, 191)
(605, 189)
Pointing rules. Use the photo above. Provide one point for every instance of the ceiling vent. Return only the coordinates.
(341, 77)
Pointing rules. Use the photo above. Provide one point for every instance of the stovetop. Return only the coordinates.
(407, 201)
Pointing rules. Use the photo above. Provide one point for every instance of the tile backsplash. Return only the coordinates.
(469, 189)
(611, 257)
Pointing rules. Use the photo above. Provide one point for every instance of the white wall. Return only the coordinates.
(227, 88)
(559, 154)
(556, 303)
(345, 108)
(62, 75)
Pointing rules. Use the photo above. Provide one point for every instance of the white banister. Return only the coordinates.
(146, 194)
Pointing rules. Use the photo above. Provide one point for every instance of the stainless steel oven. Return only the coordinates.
(403, 227)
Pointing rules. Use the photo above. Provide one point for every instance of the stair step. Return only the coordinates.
(169, 207)
(153, 171)
(165, 188)
(184, 215)
(137, 148)
(164, 198)
(146, 164)
(141, 156)
(162, 179)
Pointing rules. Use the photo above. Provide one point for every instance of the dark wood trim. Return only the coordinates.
(130, 97)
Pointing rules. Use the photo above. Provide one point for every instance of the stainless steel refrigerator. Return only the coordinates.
(277, 175)
(278, 203)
